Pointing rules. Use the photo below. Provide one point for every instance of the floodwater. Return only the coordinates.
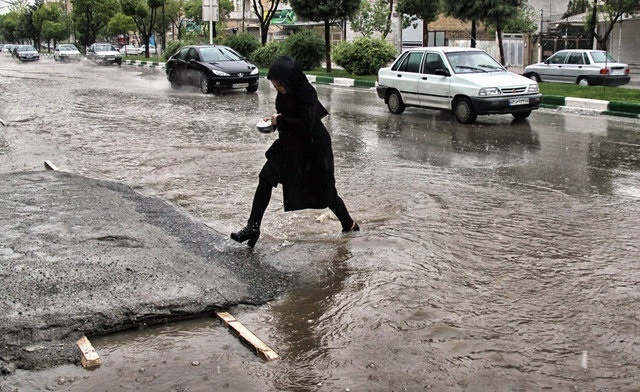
(497, 256)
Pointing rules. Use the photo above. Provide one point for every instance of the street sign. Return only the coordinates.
(210, 11)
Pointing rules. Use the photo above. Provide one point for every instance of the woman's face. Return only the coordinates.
(280, 88)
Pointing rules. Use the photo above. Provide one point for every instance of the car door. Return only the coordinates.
(407, 75)
(553, 67)
(573, 68)
(192, 67)
(434, 81)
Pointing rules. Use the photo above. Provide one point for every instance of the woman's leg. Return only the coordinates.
(340, 210)
(260, 202)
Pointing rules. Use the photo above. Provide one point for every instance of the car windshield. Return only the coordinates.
(473, 62)
(602, 57)
(219, 53)
(67, 47)
(104, 48)
(25, 48)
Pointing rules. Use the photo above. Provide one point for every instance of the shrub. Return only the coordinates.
(306, 47)
(264, 56)
(243, 43)
(172, 47)
(364, 55)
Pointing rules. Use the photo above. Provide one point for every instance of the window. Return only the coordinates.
(433, 62)
(410, 63)
(575, 58)
(558, 58)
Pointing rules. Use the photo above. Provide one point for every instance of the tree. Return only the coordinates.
(9, 25)
(327, 11)
(497, 14)
(576, 7)
(265, 14)
(373, 17)
(120, 24)
(145, 16)
(614, 10)
(466, 10)
(91, 17)
(49, 15)
(523, 22)
(427, 10)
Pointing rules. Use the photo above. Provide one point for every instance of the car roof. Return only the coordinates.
(446, 49)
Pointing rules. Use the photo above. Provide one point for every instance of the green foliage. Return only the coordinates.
(120, 24)
(363, 56)
(173, 47)
(427, 10)
(306, 47)
(523, 22)
(265, 55)
(372, 16)
(243, 43)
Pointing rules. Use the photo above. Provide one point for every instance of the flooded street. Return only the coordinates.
(497, 256)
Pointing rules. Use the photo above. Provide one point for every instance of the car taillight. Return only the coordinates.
(604, 71)
(627, 71)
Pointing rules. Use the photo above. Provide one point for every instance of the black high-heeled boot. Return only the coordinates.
(250, 232)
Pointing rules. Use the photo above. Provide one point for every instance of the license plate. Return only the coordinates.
(240, 85)
(111, 59)
(617, 72)
(518, 101)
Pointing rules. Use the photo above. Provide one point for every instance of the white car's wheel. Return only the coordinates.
(463, 110)
(394, 102)
(583, 81)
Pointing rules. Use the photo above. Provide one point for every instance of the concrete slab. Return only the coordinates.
(81, 256)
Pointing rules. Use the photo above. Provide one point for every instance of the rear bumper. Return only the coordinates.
(504, 105)
(381, 91)
(609, 80)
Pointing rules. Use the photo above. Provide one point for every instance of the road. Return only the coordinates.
(497, 256)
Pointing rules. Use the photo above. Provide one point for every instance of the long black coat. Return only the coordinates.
(301, 157)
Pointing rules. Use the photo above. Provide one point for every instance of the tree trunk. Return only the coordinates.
(264, 32)
(327, 44)
(474, 33)
(499, 32)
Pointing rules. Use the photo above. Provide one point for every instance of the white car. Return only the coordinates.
(580, 66)
(104, 53)
(467, 81)
(66, 52)
(130, 50)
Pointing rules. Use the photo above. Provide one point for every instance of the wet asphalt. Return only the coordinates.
(88, 257)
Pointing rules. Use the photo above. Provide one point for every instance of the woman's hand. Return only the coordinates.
(274, 119)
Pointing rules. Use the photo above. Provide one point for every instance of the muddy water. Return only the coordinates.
(494, 257)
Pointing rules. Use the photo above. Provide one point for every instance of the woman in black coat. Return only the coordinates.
(301, 159)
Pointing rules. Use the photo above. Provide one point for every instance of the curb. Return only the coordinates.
(140, 63)
(610, 108)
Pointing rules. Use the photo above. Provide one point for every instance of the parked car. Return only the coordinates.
(580, 66)
(104, 53)
(26, 53)
(66, 53)
(467, 81)
(130, 50)
(8, 49)
(211, 67)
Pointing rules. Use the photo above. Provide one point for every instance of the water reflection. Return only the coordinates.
(305, 324)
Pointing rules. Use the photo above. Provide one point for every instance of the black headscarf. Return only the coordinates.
(288, 73)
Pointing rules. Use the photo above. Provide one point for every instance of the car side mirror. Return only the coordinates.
(442, 72)
(546, 61)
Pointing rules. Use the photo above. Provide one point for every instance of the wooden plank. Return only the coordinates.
(88, 356)
(248, 337)
(49, 165)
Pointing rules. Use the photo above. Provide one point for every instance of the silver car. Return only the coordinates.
(66, 52)
(580, 66)
(104, 53)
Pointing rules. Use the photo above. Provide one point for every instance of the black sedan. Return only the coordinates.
(211, 67)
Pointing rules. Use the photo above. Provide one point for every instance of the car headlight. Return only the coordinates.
(533, 88)
(487, 91)
(219, 73)
(254, 71)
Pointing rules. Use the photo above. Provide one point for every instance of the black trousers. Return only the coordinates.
(263, 196)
